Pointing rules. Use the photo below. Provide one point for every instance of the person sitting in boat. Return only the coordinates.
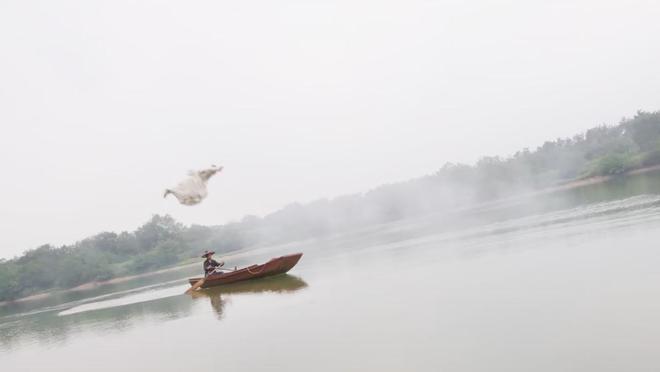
(209, 263)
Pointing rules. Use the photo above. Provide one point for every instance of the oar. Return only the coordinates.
(196, 285)
(201, 281)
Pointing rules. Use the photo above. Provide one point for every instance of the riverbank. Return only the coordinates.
(581, 182)
(97, 284)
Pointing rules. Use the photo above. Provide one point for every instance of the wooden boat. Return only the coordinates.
(275, 266)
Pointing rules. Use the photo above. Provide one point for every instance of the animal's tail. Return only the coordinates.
(167, 192)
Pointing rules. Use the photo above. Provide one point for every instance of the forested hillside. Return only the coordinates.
(161, 242)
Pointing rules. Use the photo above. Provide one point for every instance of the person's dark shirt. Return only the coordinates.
(209, 265)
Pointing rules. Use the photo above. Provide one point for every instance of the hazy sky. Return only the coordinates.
(103, 104)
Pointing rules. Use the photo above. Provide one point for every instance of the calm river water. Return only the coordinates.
(564, 282)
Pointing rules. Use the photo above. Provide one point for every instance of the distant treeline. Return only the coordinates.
(161, 242)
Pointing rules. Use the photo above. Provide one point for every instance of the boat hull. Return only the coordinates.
(275, 266)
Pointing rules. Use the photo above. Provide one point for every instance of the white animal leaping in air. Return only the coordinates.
(193, 190)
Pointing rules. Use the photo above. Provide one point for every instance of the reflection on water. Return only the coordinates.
(277, 284)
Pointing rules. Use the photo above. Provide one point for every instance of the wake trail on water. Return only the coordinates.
(138, 295)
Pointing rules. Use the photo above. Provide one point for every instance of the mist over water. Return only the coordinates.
(566, 281)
